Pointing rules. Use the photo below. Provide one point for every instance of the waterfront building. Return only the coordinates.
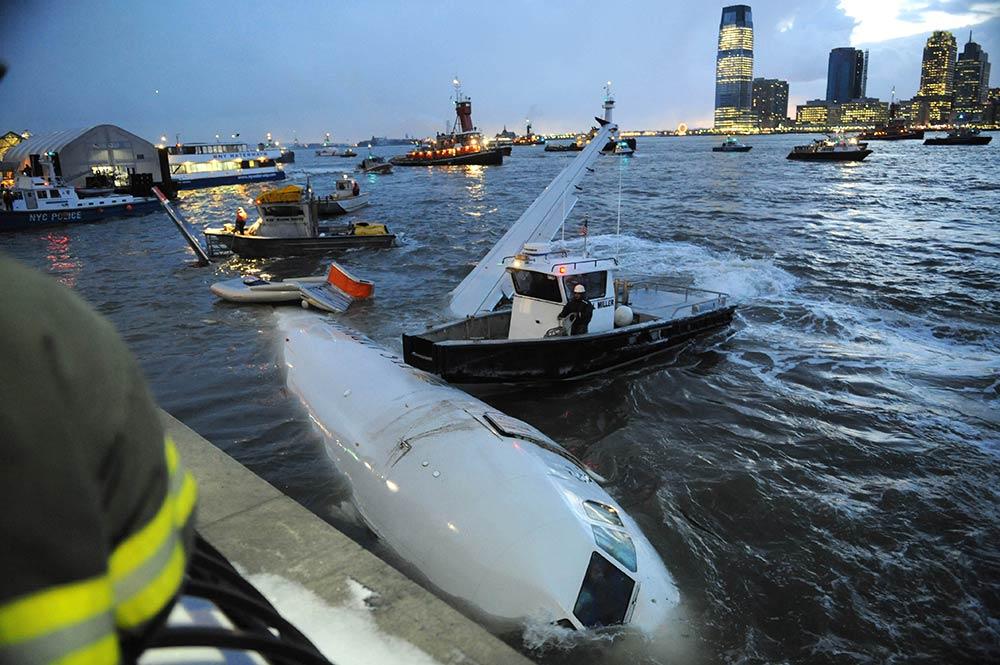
(937, 76)
(846, 75)
(9, 140)
(770, 101)
(913, 111)
(864, 112)
(972, 80)
(102, 150)
(734, 71)
(815, 112)
(991, 114)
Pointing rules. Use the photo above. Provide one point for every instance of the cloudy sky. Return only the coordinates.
(384, 67)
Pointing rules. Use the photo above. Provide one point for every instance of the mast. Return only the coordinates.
(609, 102)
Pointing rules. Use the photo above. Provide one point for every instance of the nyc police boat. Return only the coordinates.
(491, 511)
(525, 342)
(45, 200)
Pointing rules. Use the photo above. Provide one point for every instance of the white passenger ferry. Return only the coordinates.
(196, 165)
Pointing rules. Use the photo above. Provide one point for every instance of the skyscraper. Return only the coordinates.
(770, 101)
(937, 76)
(734, 71)
(972, 81)
(846, 75)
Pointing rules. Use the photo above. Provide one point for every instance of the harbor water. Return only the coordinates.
(822, 479)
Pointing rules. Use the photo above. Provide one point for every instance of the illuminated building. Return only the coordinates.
(937, 76)
(814, 112)
(992, 112)
(913, 111)
(734, 71)
(846, 75)
(972, 80)
(770, 101)
(864, 112)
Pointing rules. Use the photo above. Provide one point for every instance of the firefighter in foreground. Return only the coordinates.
(97, 518)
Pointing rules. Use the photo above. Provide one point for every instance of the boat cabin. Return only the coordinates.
(543, 281)
(41, 193)
(344, 187)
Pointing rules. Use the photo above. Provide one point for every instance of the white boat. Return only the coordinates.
(45, 200)
(346, 197)
(488, 509)
(196, 165)
(622, 147)
(326, 152)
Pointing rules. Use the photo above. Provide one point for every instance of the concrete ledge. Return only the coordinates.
(261, 530)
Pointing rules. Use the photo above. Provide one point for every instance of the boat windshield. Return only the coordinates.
(596, 283)
(536, 285)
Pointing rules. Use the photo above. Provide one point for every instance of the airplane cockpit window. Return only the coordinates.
(605, 595)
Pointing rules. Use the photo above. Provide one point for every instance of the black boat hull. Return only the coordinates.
(968, 140)
(742, 148)
(854, 156)
(909, 135)
(249, 247)
(555, 358)
(483, 158)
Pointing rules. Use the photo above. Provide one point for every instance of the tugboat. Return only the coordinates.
(834, 148)
(960, 136)
(289, 226)
(40, 198)
(732, 144)
(457, 148)
(374, 164)
(529, 138)
(526, 342)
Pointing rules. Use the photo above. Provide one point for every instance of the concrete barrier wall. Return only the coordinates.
(262, 531)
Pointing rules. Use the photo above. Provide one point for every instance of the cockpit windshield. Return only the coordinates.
(596, 283)
(605, 595)
(536, 285)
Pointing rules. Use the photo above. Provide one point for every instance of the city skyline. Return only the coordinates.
(155, 79)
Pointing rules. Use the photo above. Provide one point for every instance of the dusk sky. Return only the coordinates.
(383, 67)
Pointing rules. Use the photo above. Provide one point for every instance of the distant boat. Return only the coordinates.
(462, 146)
(198, 165)
(894, 130)
(622, 147)
(831, 149)
(348, 153)
(374, 164)
(575, 146)
(328, 151)
(960, 136)
(732, 144)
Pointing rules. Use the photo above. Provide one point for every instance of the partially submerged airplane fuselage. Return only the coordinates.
(488, 508)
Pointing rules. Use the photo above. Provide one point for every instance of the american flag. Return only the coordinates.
(583, 228)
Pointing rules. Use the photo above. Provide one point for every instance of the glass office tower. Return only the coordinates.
(734, 71)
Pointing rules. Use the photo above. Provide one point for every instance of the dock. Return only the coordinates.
(262, 531)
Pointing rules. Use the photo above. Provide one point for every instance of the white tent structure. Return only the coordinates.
(103, 149)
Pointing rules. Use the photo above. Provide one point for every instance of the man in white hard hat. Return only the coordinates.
(580, 306)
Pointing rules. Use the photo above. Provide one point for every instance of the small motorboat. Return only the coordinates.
(732, 144)
(527, 343)
(346, 197)
(834, 148)
(326, 152)
(622, 147)
(960, 136)
(333, 293)
(374, 164)
(348, 153)
(289, 226)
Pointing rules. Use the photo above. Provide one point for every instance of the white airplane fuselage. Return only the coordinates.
(484, 506)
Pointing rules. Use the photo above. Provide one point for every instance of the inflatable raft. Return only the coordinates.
(333, 293)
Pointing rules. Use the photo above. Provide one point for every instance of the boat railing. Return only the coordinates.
(694, 298)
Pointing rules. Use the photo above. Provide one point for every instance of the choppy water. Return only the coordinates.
(822, 479)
